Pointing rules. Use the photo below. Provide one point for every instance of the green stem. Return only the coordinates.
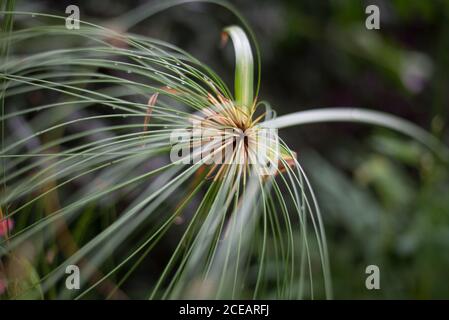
(363, 116)
(244, 67)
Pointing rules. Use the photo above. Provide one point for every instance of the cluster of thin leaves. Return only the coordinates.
(85, 143)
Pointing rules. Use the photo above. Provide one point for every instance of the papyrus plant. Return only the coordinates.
(88, 181)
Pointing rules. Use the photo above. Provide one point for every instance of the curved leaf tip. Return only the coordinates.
(244, 66)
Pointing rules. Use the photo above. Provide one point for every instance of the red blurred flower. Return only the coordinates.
(6, 225)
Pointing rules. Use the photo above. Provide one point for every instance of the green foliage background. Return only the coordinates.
(383, 197)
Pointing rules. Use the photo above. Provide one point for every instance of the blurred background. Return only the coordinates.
(384, 198)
